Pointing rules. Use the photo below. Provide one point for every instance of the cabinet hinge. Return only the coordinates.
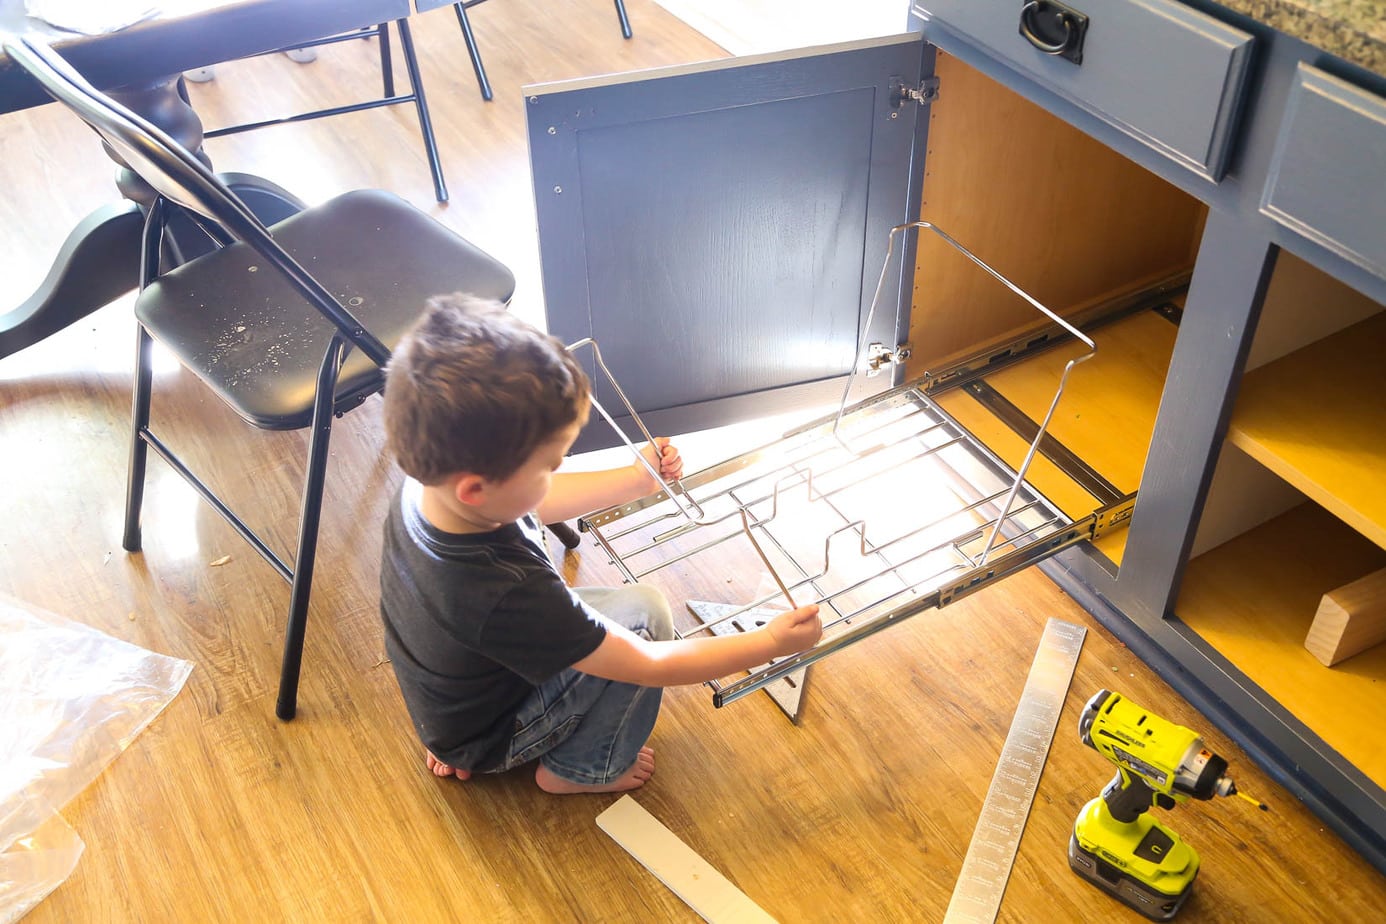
(878, 357)
(923, 94)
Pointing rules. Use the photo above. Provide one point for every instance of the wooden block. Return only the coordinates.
(1350, 619)
(692, 878)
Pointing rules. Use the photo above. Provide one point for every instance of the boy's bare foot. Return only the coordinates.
(441, 769)
(633, 778)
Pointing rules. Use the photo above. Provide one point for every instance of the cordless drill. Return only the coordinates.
(1116, 844)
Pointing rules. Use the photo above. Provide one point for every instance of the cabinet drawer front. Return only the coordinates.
(1159, 71)
(1338, 201)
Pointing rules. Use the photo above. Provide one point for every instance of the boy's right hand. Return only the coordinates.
(796, 630)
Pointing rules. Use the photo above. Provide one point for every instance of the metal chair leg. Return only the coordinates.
(566, 534)
(411, 64)
(416, 96)
(475, 54)
(132, 540)
(151, 244)
(477, 66)
(625, 20)
(309, 518)
(387, 70)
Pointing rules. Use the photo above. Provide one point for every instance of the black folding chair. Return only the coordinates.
(390, 97)
(475, 54)
(285, 348)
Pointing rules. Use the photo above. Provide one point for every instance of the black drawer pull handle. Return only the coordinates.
(1054, 29)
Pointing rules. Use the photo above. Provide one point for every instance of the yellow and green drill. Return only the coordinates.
(1116, 844)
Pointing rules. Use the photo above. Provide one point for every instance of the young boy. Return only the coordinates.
(500, 663)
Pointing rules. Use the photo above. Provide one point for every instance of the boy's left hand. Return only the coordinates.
(664, 457)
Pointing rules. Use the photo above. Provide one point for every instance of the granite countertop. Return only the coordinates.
(1354, 30)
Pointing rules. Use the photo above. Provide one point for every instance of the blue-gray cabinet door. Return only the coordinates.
(719, 229)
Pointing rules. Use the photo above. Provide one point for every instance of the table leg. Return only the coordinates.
(164, 102)
(99, 261)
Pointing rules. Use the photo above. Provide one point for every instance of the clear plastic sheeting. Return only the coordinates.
(35, 865)
(71, 699)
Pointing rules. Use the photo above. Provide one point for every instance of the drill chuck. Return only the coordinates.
(1090, 712)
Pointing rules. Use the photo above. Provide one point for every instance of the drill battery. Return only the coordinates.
(1149, 871)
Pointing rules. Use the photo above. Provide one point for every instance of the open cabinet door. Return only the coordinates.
(719, 229)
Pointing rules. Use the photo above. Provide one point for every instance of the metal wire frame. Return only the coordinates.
(989, 532)
(862, 566)
(899, 231)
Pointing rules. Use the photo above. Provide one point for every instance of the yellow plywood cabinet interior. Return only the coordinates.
(1074, 224)
(1297, 510)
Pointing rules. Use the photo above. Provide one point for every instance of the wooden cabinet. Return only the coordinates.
(1080, 227)
(736, 236)
(722, 228)
(1274, 384)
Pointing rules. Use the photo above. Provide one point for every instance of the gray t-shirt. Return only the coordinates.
(473, 623)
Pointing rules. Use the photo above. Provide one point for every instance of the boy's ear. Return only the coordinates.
(469, 489)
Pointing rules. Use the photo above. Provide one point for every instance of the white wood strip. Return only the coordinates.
(675, 864)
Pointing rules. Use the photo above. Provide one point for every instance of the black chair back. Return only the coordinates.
(178, 176)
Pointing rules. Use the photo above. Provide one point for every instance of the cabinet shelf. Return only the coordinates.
(1317, 419)
(1253, 599)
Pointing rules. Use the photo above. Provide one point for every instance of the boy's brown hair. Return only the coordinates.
(473, 388)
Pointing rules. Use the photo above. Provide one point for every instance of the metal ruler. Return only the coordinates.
(987, 866)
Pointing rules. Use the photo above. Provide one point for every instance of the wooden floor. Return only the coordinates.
(219, 812)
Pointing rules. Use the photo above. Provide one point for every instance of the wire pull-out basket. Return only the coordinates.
(881, 510)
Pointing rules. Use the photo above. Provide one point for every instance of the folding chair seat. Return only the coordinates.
(290, 325)
(389, 97)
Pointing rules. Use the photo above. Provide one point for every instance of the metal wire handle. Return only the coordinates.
(675, 490)
(1063, 379)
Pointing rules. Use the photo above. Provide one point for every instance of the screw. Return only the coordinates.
(552, 130)
(558, 190)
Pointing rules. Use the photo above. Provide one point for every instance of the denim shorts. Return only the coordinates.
(585, 729)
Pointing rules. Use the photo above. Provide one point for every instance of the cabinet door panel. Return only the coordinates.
(719, 229)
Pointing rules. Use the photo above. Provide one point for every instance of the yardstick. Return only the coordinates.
(987, 866)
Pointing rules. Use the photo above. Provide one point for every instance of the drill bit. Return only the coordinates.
(1253, 800)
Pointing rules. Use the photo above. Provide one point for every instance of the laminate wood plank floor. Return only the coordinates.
(219, 812)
